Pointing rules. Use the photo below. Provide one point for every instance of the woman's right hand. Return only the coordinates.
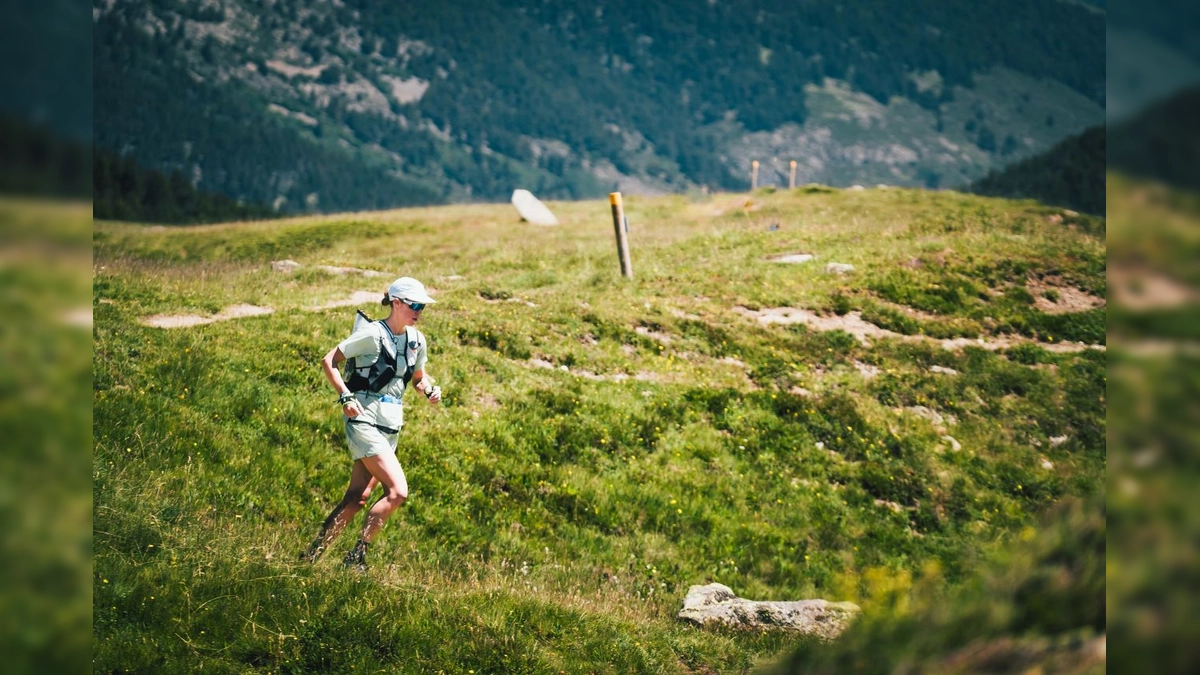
(352, 409)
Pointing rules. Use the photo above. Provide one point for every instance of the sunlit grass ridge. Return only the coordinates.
(604, 443)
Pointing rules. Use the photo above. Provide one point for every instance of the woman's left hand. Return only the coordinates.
(425, 386)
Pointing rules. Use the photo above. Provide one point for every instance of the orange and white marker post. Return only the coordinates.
(618, 214)
(754, 175)
(792, 176)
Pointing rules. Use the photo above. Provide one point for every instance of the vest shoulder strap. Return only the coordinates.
(386, 344)
(413, 340)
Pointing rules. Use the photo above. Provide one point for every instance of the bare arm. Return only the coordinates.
(330, 363)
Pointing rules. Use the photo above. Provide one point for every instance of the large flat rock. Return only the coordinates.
(716, 604)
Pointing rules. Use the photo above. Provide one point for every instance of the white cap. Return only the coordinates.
(408, 288)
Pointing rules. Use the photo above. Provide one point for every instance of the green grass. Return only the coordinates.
(555, 519)
(45, 419)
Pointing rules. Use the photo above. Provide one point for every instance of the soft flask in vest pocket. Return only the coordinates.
(373, 375)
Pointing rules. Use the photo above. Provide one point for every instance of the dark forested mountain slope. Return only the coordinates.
(1070, 174)
(313, 105)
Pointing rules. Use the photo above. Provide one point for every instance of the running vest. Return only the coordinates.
(376, 375)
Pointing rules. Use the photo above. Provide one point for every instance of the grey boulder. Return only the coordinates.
(715, 604)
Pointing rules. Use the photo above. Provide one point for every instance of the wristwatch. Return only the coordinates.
(346, 398)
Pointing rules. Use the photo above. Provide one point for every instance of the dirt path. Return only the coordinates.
(854, 324)
(243, 310)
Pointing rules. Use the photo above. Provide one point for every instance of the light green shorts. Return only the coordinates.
(365, 440)
(371, 433)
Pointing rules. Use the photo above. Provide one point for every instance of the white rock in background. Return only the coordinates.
(943, 370)
(1056, 441)
(954, 444)
(532, 209)
(839, 268)
(792, 258)
(284, 265)
(715, 604)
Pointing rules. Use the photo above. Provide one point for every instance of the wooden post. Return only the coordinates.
(754, 175)
(620, 225)
(792, 176)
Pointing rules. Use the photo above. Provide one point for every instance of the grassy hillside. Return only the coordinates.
(604, 443)
(46, 421)
(1040, 607)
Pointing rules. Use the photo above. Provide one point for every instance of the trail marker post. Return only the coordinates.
(754, 175)
(621, 227)
(792, 176)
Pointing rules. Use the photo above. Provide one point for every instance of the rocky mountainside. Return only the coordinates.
(354, 104)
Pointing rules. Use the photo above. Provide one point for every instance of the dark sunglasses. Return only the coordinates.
(414, 306)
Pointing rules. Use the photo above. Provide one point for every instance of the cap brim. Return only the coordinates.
(414, 297)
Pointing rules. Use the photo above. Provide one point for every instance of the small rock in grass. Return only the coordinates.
(954, 444)
(943, 370)
(839, 268)
(285, 265)
(866, 370)
(928, 413)
(891, 505)
(1056, 441)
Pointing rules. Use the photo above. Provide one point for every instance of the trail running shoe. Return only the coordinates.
(356, 558)
(315, 550)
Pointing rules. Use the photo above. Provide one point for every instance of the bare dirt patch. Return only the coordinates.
(493, 301)
(642, 376)
(1004, 342)
(289, 265)
(866, 370)
(851, 323)
(488, 401)
(653, 335)
(793, 258)
(1143, 290)
(1052, 298)
(356, 298)
(342, 271)
(854, 324)
(189, 320)
(80, 317)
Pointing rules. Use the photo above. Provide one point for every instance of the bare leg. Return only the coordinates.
(362, 483)
(385, 469)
